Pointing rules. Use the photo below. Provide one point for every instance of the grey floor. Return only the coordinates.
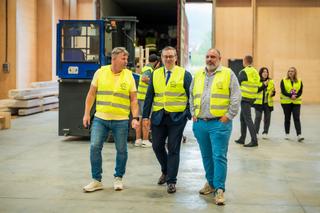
(42, 172)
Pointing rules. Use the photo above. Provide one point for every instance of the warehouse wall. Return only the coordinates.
(44, 38)
(26, 55)
(86, 9)
(288, 35)
(32, 38)
(8, 80)
(233, 28)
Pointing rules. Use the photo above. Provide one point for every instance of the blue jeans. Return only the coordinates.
(99, 133)
(213, 138)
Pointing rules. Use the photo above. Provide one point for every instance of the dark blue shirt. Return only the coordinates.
(176, 117)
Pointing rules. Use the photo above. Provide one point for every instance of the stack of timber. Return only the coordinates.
(5, 120)
(4, 106)
(41, 97)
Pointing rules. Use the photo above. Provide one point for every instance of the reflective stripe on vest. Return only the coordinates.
(171, 97)
(288, 87)
(249, 88)
(220, 92)
(268, 94)
(143, 87)
(113, 98)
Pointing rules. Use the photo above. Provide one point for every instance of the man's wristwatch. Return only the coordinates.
(137, 118)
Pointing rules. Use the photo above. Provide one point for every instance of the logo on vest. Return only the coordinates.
(123, 86)
(173, 84)
(219, 85)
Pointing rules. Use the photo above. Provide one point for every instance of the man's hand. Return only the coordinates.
(135, 123)
(293, 97)
(145, 79)
(146, 123)
(86, 121)
(194, 119)
(224, 119)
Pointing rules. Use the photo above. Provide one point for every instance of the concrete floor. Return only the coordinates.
(42, 172)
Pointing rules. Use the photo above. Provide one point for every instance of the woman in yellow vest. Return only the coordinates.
(264, 101)
(290, 98)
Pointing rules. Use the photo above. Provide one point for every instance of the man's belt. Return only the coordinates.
(210, 119)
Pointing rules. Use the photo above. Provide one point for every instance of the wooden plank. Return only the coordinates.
(32, 92)
(33, 102)
(37, 109)
(41, 84)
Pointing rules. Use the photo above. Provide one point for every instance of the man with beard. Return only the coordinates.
(214, 101)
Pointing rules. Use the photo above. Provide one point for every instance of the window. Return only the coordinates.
(80, 42)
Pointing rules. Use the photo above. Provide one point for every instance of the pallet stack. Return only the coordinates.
(40, 97)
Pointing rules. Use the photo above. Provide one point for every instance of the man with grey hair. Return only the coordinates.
(214, 101)
(114, 90)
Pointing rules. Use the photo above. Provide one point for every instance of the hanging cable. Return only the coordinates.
(6, 34)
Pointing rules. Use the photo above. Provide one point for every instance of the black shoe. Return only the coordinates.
(162, 179)
(239, 141)
(171, 188)
(251, 144)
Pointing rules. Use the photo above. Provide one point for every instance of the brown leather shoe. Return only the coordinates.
(206, 189)
(162, 179)
(171, 188)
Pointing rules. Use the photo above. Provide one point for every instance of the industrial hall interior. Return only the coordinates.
(160, 106)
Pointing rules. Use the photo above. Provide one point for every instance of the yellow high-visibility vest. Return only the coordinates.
(220, 92)
(143, 87)
(171, 97)
(249, 88)
(268, 94)
(111, 97)
(288, 86)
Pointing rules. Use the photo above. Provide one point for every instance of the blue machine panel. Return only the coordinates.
(80, 48)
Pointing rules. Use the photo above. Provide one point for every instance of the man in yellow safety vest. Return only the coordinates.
(214, 101)
(168, 95)
(114, 90)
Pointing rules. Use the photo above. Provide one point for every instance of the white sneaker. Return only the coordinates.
(138, 142)
(146, 144)
(287, 137)
(300, 138)
(264, 136)
(93, 186)
(117, 184)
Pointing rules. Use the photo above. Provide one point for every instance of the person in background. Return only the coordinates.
(290, 99)
(249, 82)
(114, 90)
(168, 96)
(264, 102)
(142, 91)
(214, 101)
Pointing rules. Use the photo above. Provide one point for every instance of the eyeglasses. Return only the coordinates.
(168, 56)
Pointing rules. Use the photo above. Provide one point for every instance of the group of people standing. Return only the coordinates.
(168, 96)
(258, 90)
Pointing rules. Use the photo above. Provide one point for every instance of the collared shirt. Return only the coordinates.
(235, 96)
